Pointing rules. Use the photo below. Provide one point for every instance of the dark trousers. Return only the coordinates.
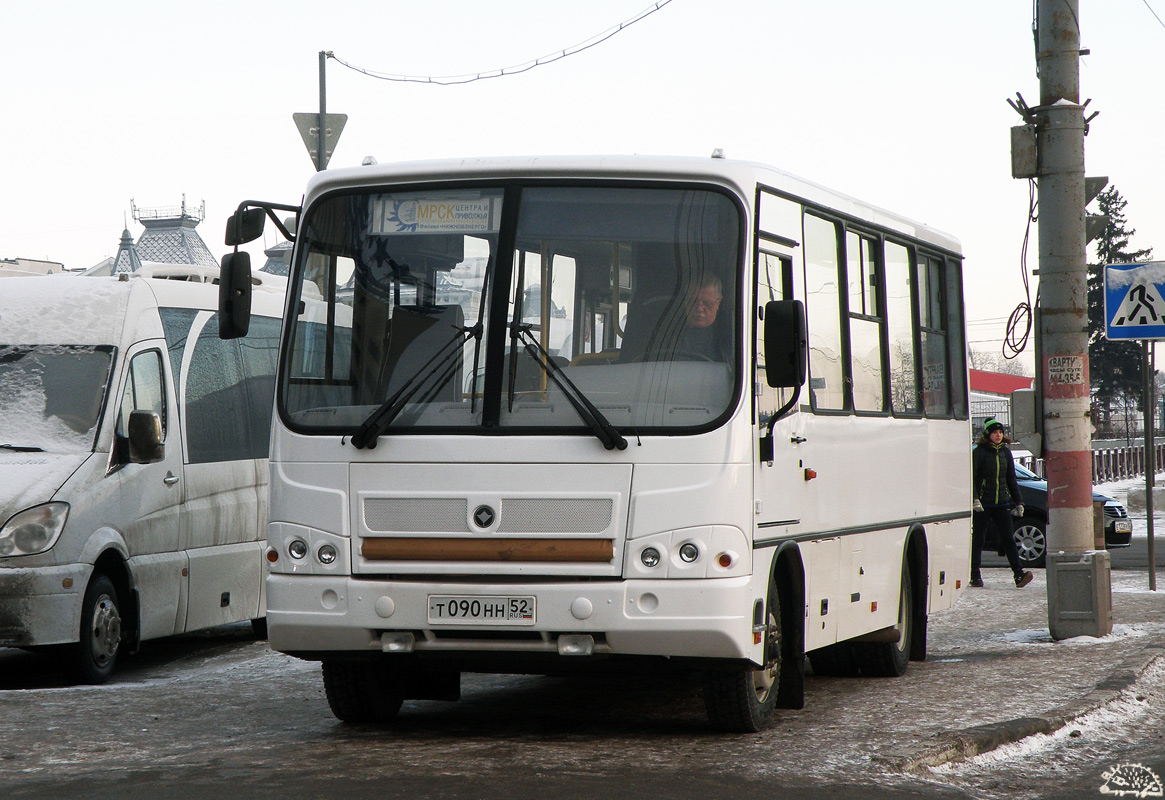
(1001, 517)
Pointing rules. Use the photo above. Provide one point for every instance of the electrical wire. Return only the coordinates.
(452, 80)
(1151, 11)
(1016, 339)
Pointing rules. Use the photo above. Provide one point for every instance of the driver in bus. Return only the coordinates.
(700, 336)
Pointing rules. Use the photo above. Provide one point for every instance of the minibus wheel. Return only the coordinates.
(890, 659)
(95, 654)
(362, 691)
(741, 701)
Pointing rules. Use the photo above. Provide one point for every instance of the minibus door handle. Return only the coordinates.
(170, 478)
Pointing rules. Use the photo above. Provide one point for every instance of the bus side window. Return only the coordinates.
(932, 323)
(824, 314)
(904, 385)
(773, 273)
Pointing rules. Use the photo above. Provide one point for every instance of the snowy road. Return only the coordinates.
(220, 715)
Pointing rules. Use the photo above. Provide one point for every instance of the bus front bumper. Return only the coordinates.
(704, 618)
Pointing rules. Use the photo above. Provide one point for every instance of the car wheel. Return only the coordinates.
(95, 654)
(1031, 542)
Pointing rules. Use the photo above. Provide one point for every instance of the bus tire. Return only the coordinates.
(835, 661)
(742, 701)
(95, 654)
(889, 660)
(259, 628)
(361, 691)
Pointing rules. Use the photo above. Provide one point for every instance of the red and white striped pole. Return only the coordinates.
(1079, 591)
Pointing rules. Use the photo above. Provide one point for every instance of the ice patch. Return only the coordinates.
(1043, 637)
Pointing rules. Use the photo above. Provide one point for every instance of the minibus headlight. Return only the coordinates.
(297, 549)
(33, 530)
(689, 552)
(649, 557)
(326, 554)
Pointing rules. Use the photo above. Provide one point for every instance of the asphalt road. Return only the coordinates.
(219, 715)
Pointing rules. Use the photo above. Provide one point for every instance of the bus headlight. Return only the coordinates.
(649, 557)
(297, 549)
(689, 552)
(33, 530)
(326, 554)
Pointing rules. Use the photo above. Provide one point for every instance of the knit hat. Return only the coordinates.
(991, 425)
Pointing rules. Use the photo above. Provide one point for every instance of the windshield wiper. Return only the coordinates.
(603, 430)
(22, 448)
(441, 362)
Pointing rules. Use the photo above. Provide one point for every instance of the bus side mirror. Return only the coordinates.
(245, 225)
(786, 343)
(234, 296)
(145, 437)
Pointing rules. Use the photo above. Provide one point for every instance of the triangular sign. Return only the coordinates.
(308, 125)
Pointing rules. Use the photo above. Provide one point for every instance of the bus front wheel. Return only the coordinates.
(362, 691)
(743, 701)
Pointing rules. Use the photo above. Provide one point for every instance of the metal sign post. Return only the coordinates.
(320, 130)
(1134, 309)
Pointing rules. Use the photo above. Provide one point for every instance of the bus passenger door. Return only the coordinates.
(779, 484)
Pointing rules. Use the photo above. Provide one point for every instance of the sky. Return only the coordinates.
(901, 103)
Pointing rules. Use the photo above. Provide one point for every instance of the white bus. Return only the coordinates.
(588, 412)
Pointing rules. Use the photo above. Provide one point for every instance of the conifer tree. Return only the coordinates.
(1114, 366)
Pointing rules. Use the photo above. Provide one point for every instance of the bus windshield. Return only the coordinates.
(487, 307)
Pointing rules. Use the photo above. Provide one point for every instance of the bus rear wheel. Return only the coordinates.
(890, 659)
(362, 691)
(743, 701)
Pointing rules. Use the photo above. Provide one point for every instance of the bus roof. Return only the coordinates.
(740, 176)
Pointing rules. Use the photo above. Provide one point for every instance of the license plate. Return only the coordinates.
(1123, 526)
(481, 609)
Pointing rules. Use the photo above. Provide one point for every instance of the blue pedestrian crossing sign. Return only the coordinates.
(1134, 301)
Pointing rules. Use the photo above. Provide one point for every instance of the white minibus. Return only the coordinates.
(133, 450)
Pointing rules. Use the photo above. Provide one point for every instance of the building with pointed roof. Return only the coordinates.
(170, 236)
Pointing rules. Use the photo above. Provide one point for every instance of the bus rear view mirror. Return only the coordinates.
(234, 296)
(245, 225)
(786, 343)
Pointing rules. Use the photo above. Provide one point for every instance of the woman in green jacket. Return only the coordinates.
(995, 492)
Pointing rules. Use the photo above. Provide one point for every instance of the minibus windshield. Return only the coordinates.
(51, 395)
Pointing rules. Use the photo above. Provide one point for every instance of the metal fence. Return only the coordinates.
(1108, 463)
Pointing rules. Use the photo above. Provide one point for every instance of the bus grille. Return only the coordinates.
(518, 515)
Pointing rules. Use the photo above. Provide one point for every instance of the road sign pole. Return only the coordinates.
(321, 129)
(1079, 592)
(1150, 464)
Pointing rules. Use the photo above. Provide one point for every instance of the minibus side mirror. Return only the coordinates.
(234, 296)
(786, 343)
(245, 225)
(145, 437)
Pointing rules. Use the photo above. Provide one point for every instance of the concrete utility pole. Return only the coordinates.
(1079, 589)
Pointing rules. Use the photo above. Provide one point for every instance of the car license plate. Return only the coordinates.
(1123, 526)
(481, 609)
